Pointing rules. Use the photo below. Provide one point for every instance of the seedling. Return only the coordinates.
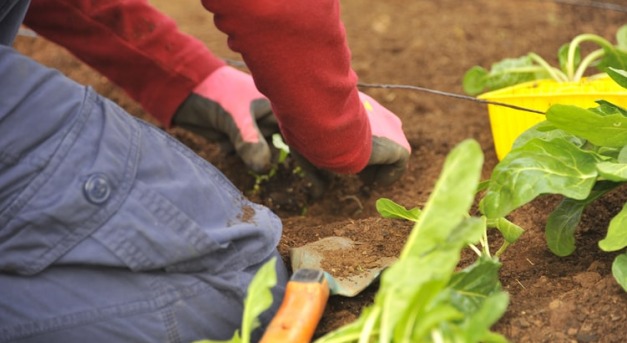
(572, 66)
(284, 151)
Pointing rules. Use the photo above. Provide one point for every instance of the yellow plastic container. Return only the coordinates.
(507, 124)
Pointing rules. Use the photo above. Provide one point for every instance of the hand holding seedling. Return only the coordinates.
(389, 156)
(226, 107)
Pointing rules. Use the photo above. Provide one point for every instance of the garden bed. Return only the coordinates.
(432, 44)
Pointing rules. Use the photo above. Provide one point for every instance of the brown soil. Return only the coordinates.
(430, 44)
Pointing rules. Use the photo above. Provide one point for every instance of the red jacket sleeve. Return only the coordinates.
(299, 58)
(132, 44)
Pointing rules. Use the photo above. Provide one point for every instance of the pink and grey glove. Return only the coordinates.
(389, 156)
(390, 148)
(227, 106)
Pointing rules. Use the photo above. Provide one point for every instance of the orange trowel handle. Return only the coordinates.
(305, 297)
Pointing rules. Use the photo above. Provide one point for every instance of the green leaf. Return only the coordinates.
(483, 185)
(469, 231)
(444, 313)
(421, 316)
(601, 130)
(284, 149)
(510, 231)
(563, 221)
(618, 75)
(450, 200)
(389, 209)
(619, 270)
(478, 325)
(259, 298)
(472, 285)
(546, 131)
(474, 80)
(512, 71)
(608, 108)
(613, 171)
(622, 155)
(561, 226)
(398, 284)
(539, 167)
(616, 237)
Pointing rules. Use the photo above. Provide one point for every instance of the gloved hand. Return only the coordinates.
(228, 106)
(390, 148)
(389, 156)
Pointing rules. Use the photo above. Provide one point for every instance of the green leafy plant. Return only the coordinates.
(572, 65)
(578, 153)
(423, 297)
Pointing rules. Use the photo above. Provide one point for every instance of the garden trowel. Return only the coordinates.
(309, 287)
(349, 284)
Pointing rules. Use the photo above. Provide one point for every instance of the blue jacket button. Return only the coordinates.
(97, 189)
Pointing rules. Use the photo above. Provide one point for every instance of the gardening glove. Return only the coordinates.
(226, 107)
(388, 159)
(390, 148)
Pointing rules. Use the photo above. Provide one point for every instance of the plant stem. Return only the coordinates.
(593, 56)
(501, 249)
(555, 74)
(572, 49)
(485, 244)
(475, 249)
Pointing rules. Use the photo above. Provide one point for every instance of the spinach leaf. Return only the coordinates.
(616, 237)
(619, 270)
(389, 209)
(602, 130)
(618, 75)
(539, 167)
(563, 221)
(508, 72)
